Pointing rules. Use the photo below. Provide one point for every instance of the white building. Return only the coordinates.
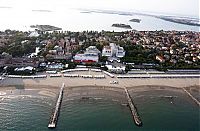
(37, 50)
(86, 58)
(93, 50)
(113, 51)
(34, 34)
(90, 55)
(120, 52)
(116, 69)
(107, 51)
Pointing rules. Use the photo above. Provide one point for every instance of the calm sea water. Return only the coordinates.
(31, 113)
(74, 20)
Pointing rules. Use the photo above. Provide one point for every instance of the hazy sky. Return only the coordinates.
(184, 7)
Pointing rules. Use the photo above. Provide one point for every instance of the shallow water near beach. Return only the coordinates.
(158, 112)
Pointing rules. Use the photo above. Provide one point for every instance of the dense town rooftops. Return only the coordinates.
(140, 46)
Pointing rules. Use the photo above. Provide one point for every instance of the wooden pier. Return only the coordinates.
(133, 109)
(55, 113)
(194, 99)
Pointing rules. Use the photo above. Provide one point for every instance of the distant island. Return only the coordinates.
(45, 27)
(85, 12)
(176, 19)
(125, 14)
(135, 20)
(42, 10)
(180, 20)
(122, 26)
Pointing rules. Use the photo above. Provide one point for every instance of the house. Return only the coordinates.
(107, 51)
(120, 52)
(116, 69)
(91, 55)
(86, 58)
(19, 62)
(113, 51)
(160, 58)
(92, 49)
(37, 50)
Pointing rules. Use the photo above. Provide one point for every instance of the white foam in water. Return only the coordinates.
(97, 98)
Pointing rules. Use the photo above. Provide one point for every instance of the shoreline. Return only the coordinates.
(108, 93)
(80, 90)
(77, 87)
(136, 84)
(142, 101)
(113, 88)
(125, 82)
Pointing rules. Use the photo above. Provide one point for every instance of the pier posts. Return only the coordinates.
(54, 116)
(133, 109)
(194, 99)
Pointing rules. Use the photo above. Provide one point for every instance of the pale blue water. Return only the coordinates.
(74, 20)
(32, 113)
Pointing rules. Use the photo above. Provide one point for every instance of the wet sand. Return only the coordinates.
(90, 86)
(128, 82)
(87, 92)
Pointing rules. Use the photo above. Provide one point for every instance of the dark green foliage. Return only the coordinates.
(103, 58)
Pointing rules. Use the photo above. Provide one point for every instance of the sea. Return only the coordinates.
(157, 112)
(32, 112)
(78, 20)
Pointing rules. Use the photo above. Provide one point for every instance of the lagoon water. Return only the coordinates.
(157, 113)
(32, 112)
(75, 20)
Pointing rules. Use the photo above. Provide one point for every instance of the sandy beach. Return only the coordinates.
(78, 86)
(126, 82)
(43, 96)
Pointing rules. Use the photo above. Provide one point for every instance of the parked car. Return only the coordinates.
(113, 82)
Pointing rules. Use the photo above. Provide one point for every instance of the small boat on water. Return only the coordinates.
(85, 98)
(122, 26)
(168, 97)
(135, 20)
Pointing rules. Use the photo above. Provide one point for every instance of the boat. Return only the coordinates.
(135, 20)
(122, 26)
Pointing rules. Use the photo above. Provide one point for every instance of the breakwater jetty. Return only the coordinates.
(194, 99)
(55, 113)
(133, 109)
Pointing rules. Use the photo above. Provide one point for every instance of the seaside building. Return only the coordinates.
(116, 69)
(34, 34)
(113, 51)
(58, 53)
(54, 66)
(18, 62)
(91, 55)
(86, 58)
(92, 50)
(28, 68)
(37, 50)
